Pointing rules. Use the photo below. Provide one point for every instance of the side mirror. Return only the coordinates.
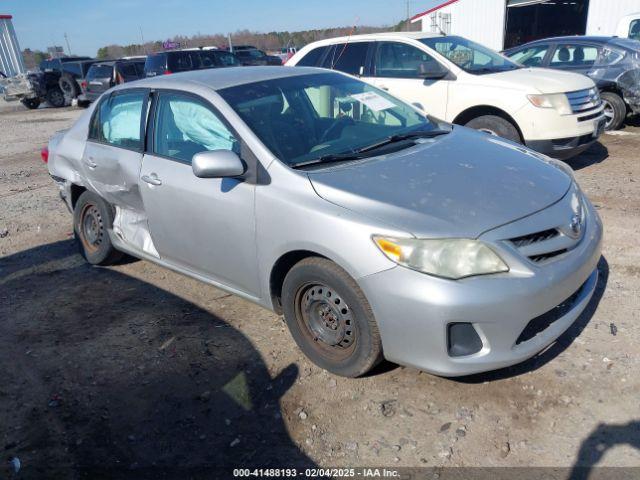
(217, 164)
(432, 71)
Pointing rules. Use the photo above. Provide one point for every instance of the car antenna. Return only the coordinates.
(336, 60)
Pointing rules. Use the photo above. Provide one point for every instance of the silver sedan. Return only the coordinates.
(379, 232)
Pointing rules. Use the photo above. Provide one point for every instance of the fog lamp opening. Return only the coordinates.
(462, 340)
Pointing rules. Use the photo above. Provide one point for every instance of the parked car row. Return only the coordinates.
(613, 64)
(456, 80)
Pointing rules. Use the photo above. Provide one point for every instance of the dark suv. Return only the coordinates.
(611, 62)
(72, 71)
(104, 75)
(165, 63)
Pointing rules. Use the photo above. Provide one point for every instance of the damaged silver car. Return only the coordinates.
(377, 231)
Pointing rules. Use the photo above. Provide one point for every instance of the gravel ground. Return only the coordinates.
(134, 366)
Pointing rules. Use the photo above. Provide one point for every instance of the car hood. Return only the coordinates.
(459, 185)
(544, 80)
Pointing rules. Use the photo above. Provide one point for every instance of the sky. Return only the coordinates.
(91, 24)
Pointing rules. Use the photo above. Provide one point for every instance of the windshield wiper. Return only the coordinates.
(362, 152)
(404, 136)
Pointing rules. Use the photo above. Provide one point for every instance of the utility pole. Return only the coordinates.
(144, 47)
(408, 16)
(66, 39)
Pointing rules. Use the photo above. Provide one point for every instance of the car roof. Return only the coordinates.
(378, 36)
(220, 78)
(573, 38)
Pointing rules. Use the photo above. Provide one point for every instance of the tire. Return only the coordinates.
(31, 103)
(92, 216)
(614, 109)
(330, 319)
(55, 97)
(495, 126)
(69, 87)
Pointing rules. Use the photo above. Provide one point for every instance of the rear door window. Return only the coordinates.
(227, 59)
(182, 61)
(531, 56)
(128, 71)
(118, 120)
(348, 57)
(312, 58)
(568, 56)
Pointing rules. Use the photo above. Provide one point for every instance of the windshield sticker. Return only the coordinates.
(375, 102)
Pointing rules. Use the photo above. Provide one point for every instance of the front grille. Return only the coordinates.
(584, 100)
(544, 321)
(547, 256)
(537, 237)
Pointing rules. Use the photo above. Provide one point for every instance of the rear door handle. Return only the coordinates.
(152, 179)
(90, 163)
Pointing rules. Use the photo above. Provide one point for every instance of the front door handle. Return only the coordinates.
(152, 179)
(384, 87)
(90, 163)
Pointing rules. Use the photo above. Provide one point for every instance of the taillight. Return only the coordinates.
(44, 154)
(83, 84)
(167, 72)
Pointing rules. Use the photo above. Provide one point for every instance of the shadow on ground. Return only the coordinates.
(106, 376)
(560, 345)
(603, 438)
(598, 153)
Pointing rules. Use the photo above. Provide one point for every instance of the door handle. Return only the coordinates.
(90, 163)
(384, 87)
(152, 179)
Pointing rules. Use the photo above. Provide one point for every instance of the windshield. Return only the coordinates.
(307, 117)
(470, 56)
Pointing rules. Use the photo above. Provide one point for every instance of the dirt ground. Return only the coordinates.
(138, 372)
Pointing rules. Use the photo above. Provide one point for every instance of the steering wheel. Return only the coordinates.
(336, 128)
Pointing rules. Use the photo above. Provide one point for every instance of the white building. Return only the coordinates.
(501, 24)
(11, 61)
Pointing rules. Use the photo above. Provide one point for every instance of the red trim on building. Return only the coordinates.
(5, 17)
(434, 9)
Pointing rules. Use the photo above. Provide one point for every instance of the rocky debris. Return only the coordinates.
(445, 427)
(388, 408)
(303, 415)
(352, 446)
(505, 449)
(4, 232)
(332, 383)
(613, 329)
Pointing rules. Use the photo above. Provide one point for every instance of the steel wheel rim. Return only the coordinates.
(609, 113)
(91, 228)
(326, 321)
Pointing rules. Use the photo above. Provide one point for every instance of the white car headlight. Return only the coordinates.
(447, 258)
(557, 101)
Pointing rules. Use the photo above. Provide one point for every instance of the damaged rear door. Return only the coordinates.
(112, 160)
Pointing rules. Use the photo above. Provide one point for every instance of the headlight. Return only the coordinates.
(448, 258)
(557, 101)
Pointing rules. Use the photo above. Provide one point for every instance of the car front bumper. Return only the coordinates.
(414, 310)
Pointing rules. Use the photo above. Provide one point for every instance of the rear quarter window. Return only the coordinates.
(156, 63)
(99, 71)
(312, 58)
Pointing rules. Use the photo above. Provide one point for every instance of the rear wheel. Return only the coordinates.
(615, 110)
(92, 217)
(55, 97)
(495, 125)
(330, 319)
(31, 103)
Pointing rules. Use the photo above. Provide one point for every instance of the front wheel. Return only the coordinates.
(495, 125)
(92, 217)
(330, 319)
